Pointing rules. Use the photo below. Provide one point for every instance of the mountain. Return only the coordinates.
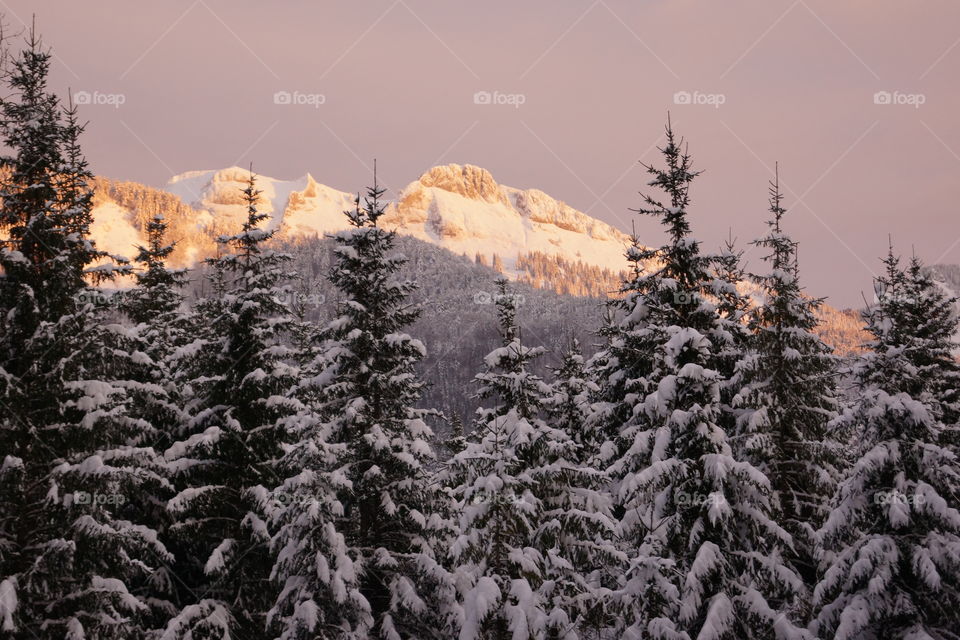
(525, 233)
(460, 208)
(121, 211)
(948, 275)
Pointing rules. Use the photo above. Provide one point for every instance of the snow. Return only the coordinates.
(440, 207)
(520, 222)
(114, 230)
(210, 615)
(8, 603)
(218, 558)
(11, 462)
(300, 207)
(720, 617)
(482, 599)
(122, 597)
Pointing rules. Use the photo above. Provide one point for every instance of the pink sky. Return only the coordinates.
(796, 80)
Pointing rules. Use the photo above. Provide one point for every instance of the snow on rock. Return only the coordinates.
(459, 207)
(295, 207)
(463, 209)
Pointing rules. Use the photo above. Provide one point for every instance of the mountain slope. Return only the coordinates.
(460, 208)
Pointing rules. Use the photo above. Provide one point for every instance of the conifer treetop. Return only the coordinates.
(675, 181)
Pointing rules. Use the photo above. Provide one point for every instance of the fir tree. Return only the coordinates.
(156, 295)
(892, 540)
(534, 535)
(691, 508)
(924, 324)
(319, 577)
(567, 407)
(731, 336)
(621, 368)
(75, 561)
(364, 390)
(225, 459)
(162, 326)
(788, 395)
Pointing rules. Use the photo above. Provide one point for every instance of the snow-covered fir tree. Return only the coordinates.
(935, 313)
(224, 462)
(891, 567)
(534, 551)
(389, 527)
(157, 291)
(456, 440)
(621, 367)
(731, 335)
(568, 404)
(318, 575)
(706, 553)
(75, 562)
(788, 395)
(924, 324)
(162, 325)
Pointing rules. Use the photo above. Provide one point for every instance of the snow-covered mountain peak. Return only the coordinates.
(466, 180)
(296, 207)
(463, 208)
(459, 207)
